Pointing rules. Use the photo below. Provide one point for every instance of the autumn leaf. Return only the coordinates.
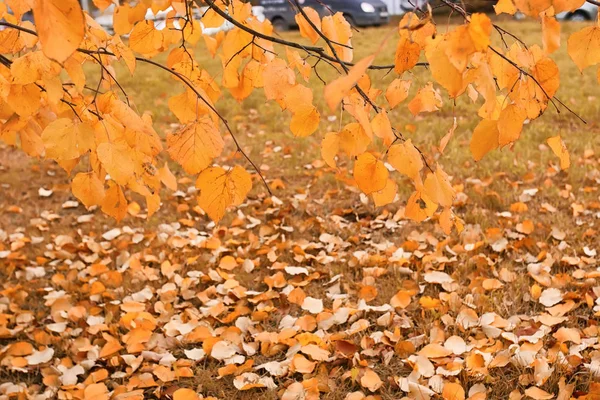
(397, 92)
(584, 47)
(220, 189)
(386, 195)
(60, 27)
(406, 159)
(117, 160)
(114, 202)
(306, 30)
(340, 88)
(65, 140)
(485, 138)
(426, 100)
(550, 34)
(419, 207)
(88, 189)
(370, 173)
(196, 145)
(560, 149)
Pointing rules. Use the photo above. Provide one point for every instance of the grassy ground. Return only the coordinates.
(491, 186)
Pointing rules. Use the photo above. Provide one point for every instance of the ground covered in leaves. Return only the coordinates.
(307, 294)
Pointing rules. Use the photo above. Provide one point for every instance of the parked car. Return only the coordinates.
(587, 12)
(105, 19)
(358, 12)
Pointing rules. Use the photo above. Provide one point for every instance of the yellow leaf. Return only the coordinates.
(353, 139)
(538, 394)
(385, 195)
(220, 189)
(145, 38)
(167, 178)
(560, 149)
(65, 140)
(305, 121)
(60, 26)
(533, 8)
(584, 47)
(550, 34)
(453, 391)
(210, 19)
(187, 106)
(24, 99)
(426, 100)
(446, 220)
(103, 4)
(114, 202)
(382, 128)
(484, 139)
(505, 6)
(296, 61)
(566, 5)
(510, 124)
(443, 71)
(330, 147)
(121, 23)
(185, 394)
(88, 189)
(152, 203)
(306, 30)
(19, 7)
(278, 80)
(419, 207)
(297, 97)
(480, 29)
(340, 88)
(397, 92)
(438, 188)
(338, 30)
(32, 67)
(370, 173)
(117, 161)
(444, 141)
(196, 145)
(407, 54)
(406, 159)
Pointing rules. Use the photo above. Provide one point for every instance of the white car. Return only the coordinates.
(105, 19)
(587, 12)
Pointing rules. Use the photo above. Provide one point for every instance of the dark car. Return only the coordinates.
(357, 12)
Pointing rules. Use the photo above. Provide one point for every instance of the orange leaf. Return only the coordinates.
(438, 188)
(114, 202)
(88, 188)
(426, 100)
(60, 26)
(397, 92)
(550, 34)
(385, 195)
(419, 207)
(196, 145)
(560, 149)
(306, 30)
(484, 139)
(406, 159)
(453, 391)
(584, 47)
(370, 173)
(340, 88)
(220, 189)
(117, 159)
